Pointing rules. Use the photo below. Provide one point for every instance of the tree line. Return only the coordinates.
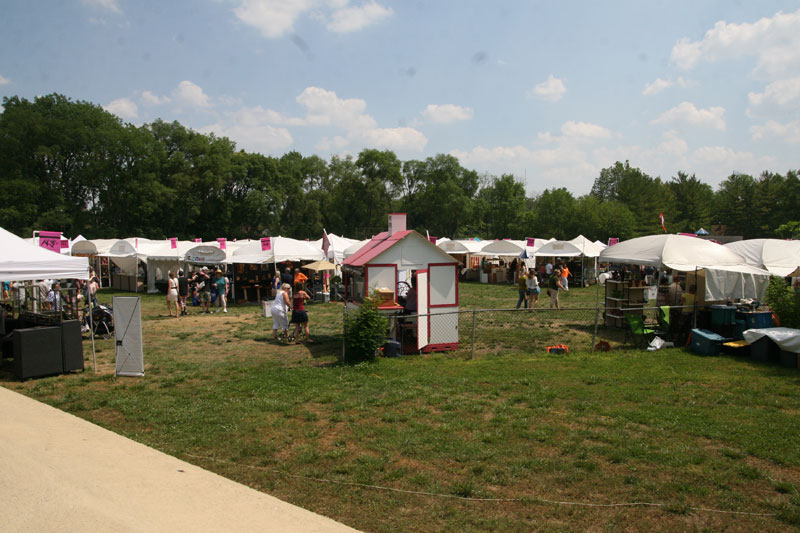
(72, 166)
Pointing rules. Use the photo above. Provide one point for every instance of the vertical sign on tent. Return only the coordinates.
(613, 240)
(266, 244)
(198, 240)
(173, 243)
(432, 239)
(530, 242)
(221, 242)
(50, 240)
(65, 244)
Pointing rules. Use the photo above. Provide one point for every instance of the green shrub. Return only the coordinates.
(784, 302)
(364, 332)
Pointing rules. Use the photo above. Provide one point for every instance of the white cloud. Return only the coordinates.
(124, 108)
(4, 81)
(447, 113)
(725, 161)
(687, 114)
(348, 19)
(661, 84)
(325, 108)
(552, 90)
(259, 115)
(108, 5)
(407, 139)
(151, 99)
(779, 97)
(275, 18)
(584, 131)
(789, 132)
(188, 94)
(775, 41)
(253, 136)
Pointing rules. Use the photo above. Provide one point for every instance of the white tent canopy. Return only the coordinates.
(727, 274)
(24, 261)
(282, 249)
(353, 248)
(461, 246)
(338, 245)
(505, 247)
(781, 258)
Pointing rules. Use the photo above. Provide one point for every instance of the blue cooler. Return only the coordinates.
(705, 342)
(723, 315)
(757, 320)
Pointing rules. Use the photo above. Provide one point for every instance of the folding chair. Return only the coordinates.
(639, 330)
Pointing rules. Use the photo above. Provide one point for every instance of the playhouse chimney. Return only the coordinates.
(397, 222)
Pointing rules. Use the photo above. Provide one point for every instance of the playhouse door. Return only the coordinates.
(421, 283)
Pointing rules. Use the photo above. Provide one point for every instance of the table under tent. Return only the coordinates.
(253, 267)
(497, 256)
(413, 278)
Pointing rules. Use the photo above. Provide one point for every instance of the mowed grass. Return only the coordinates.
(446, 443)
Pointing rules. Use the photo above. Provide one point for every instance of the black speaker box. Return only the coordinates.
(71, 345)
(37, 352)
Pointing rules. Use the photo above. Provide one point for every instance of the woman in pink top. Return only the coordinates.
(299, 313)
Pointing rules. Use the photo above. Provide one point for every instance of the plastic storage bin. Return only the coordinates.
(757, 320)
(705, 342)
(723, 315)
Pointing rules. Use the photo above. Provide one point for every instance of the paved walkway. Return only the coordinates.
(61, 473)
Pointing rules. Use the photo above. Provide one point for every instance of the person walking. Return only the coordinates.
(553, 286)
(299, 313)
(522, 289)
(564, 276)
(533, 289)
(183, 291)
(281, 305)
(203, 284)
(172, 294)
(221, 283)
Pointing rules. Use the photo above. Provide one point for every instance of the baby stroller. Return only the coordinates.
(102, 320)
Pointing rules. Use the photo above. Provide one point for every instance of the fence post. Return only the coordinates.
(594, 334)
(474, 313)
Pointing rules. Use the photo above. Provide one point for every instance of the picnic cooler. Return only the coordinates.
(723, 315)
(705, 342)
(756, 320)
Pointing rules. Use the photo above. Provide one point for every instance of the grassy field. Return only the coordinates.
(513, 440)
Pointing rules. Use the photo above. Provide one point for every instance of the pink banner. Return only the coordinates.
(50, 240)
(173, 242)
(432, 239)
(530, 242)
(64, 244)
(221, 242)
(266, 244)
(198, 240)
(613, 240)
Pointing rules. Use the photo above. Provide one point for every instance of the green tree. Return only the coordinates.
(694, 203)
(554, 214)
(733, 203)
(505, 208)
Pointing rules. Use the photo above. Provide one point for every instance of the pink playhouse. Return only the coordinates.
(411, 277)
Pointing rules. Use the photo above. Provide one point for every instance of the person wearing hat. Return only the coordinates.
(203, 284)
(221, 284)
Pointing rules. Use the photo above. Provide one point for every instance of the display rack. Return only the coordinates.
(621, 296)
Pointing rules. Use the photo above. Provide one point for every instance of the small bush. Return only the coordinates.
(784, 302)
(364, 332)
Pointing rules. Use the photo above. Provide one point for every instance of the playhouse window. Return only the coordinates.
(354, 283)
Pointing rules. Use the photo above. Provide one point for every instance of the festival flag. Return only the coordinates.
(173, 242)
(326, 243)
(50, 240)
(266, 244)
(661, 216)
(432, 239)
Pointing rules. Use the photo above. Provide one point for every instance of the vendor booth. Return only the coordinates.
(403, 266)
(582, 252)
(465, 252)
(253, 265)
(44, 337)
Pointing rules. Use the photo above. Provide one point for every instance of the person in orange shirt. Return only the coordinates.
(564, 274)
(299, 277)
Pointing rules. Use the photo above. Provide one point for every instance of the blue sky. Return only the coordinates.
(550, 92)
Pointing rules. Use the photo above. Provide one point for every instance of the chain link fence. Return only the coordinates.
(478, 333)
